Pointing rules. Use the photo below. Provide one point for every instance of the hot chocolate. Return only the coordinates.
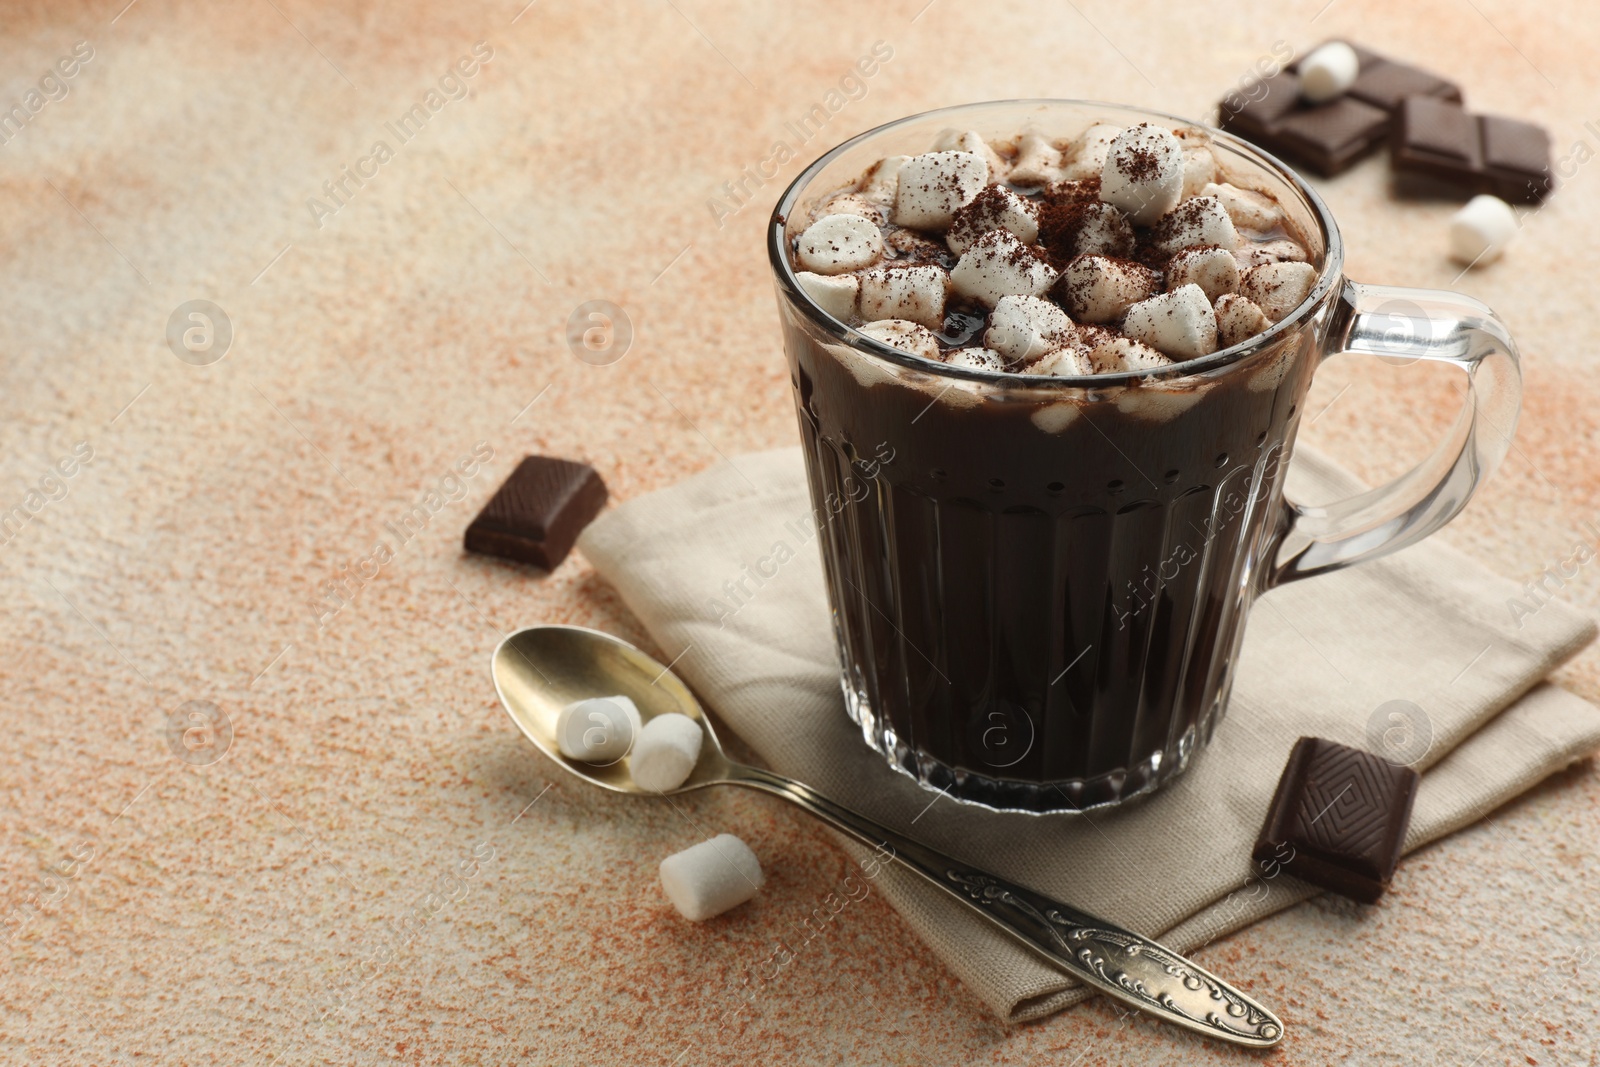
(1038, 600)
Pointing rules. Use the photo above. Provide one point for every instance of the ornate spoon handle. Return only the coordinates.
(1118, 962)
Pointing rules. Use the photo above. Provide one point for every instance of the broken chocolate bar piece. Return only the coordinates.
(539, 512)
(1437, 146)
(1329, 137)
(1340, 817)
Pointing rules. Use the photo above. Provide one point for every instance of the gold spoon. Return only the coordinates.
(540, 670)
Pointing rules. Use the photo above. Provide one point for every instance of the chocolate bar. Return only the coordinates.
(1437, 146)
(539, 512)
(1339, 818)
(1329, 137)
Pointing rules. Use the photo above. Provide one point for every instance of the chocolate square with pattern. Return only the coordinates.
(1384, 83)
(1341, 815)
(539, 512)
(1439, 148)
(1329, 137)
(1279, 94)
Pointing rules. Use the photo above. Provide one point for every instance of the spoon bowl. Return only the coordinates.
(540, 670)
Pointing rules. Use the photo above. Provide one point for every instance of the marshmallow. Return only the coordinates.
(1246, 207)
(1143, 174)
(977, 359)
(1069, 361)
(916, 293)
(953, 140)
(1238, 319)
(1159, 401)
(837, 244)
(597, 730)
(665, 753)
(1093, 336)
(1086, 155)
(1126, 354)
(1074, 190)
(1274, 369)
(1200, 220)
(1038, 162)
(1213, 269)
(1101, 288)
(854, 204)
(1104, 230)
(1072, 226)
(1278, 288)
(911, 245)
(711, 877)
(1252, 254)
(869, 369)
(1480, 231)
(996, 208)
(1328, 72)
(997, 265)
(836, 294)
(1179, 323)
(882, 182)
(1023, 328)
(906, 336)
(1199, 169)
(934, 185)
(1053, 418)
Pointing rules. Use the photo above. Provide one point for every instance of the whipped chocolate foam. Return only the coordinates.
(1121, 250)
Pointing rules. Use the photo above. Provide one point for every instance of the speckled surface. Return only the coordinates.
(377, 838)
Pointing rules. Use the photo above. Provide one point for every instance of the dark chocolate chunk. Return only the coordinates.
(1330, 136)
(1436, 146)
(539, 512)
(1339, 818)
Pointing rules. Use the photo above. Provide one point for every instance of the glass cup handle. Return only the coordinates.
(1414, 325)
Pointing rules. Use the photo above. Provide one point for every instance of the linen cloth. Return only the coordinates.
(1426, 625)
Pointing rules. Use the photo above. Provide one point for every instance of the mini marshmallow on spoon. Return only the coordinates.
(597, 730)
(666, 752)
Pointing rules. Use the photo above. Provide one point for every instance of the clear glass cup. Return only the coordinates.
(1039, 585)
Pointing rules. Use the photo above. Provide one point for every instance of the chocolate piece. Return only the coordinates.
(539, 512)
(1340, 814)
(1329, 137)
(1437, 146)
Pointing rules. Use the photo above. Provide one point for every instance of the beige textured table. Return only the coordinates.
(379, 869)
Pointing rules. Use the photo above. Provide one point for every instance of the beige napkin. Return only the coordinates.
(1426, 625)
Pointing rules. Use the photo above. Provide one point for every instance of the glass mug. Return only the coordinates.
(1039, 584)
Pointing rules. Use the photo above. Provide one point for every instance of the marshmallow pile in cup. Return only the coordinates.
(1125, 249)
